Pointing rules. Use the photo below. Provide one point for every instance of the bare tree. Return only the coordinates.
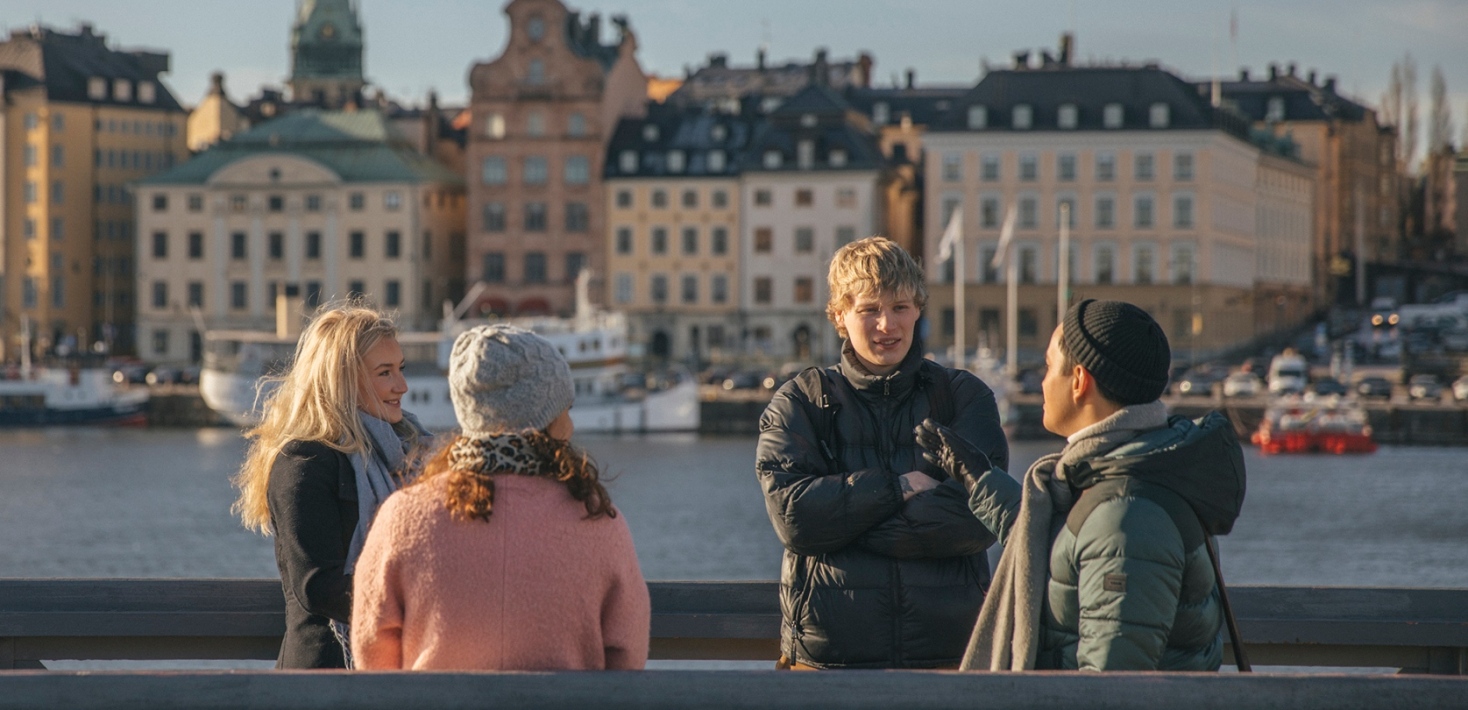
(1409, 112)
(1439, 120)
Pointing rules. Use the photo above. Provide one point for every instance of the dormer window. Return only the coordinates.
(718, 133)
(147, 92)
(1023, 117)
(627, 162)
(978, 118)
(770, 103)
(716, 161)
(1157, 116)
(808, 120)
(1067, 117)
(773, 160)
(1111, 116)
(805, 154)
(122, 90)
(837, 158)
(650, 133)
(881, 113)
(675, 161)
(1274, 111)
(97, 88)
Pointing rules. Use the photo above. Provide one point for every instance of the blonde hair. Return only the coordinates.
(875, 265)
(315, 399)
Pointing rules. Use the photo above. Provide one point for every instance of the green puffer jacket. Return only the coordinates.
(1125, 592)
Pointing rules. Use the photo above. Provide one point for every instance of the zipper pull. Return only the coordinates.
(887, 387)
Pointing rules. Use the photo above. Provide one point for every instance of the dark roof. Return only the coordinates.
(689, 129)
(718, 80)
(923, 106)
(1303, 99)
(1090, 89)
(65, 63)
(832, 125)
(359, 146)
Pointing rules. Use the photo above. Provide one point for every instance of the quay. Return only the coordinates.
(1420, 634)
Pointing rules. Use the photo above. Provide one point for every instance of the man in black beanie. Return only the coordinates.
(1106, 563)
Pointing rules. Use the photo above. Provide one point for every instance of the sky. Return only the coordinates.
(414, 46)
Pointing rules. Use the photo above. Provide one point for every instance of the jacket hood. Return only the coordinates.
(1201, 461)
(897, 382)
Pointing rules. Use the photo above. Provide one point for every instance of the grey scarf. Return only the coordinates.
(1006, 637)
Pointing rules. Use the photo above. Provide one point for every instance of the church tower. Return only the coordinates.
(326, 53)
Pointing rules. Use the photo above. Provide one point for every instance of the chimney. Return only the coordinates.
(1311, 76)
(216, 84)
(1292, 68)
(1273, 71)
(1047, 60)
(1330, 84)
(593, 29)
(718, 60)
(1244, 74)
(1022, 59)
(759, 58)
(820, 71)
(864, 63)
(911, 78)
(1067, 48)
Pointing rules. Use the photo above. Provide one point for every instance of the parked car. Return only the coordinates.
(1242, 384)
(1374, 387)
(130, 373)
(1195, 384)
(1460, 389)
(1328, 386)
(744, 381)
(1424, 387)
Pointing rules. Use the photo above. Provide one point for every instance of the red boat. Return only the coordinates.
(1329, 426)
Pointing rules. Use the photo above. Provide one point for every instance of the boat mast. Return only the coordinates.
(25, 346)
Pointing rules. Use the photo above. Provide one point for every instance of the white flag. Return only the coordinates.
(1006, 235)
(951, 235)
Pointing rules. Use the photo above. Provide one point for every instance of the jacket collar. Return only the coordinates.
(898, 382)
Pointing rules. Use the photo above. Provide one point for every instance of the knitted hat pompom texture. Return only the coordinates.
(507, 379)
(1122, 347)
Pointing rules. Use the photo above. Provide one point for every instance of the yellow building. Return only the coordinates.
(79, 122)
(216, 118)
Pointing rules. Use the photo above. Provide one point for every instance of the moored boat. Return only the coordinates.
(1330, 425)
(70, 395)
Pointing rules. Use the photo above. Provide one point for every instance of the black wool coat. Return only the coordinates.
(313, 507)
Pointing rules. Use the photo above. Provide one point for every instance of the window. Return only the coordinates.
(57, 233)
(988, 273)
(1023, 116)
(1157, 115)
(978, 118)
(719, 288)
(58, 191)
(716, 161)
(536, 72)
(1065, 166)
(160, 245)
(881, 113)
(576, 125)
(690, 288)
(313, 245)
(356, 288)
(624, 240)
(237, 246)
(1143, 264)
(764, 240)
(535, 124)
(989, 168)
(659, 199)
(1105, 212)
(494, 171)
(535, 267)
(277, 245)
(624, 288)
(196, 294)
(805, 240)
(659, 290)
(97, 88)
(58, 153)
(1112, 116)
(28, 228)
(805, 197)
(805, 290)
(313, 294)
(762, 290)
(535, 28)
(720, 199)
(690, 199)
(1182, 167)
(494, 126)
(1105, 264)
(196, 245)
(1144, 167)
(147, 92)
(493, 268)
(122, 90)
(836, 157)
(160, 294)
(624, 198)
(952, 167)
(1182, 211)
(1029, 261)
(659, 240)
(392, 200)
(989, 212)
(494, 217)
(1029, 168)
(676, 161)
(393, 245)
(773, 159)
(578, 170)
(763, 198)
(29, 292)
(1143, 212)
(951, 204)
(392, 296)
(575, 262)
(844, 236)
(1183, 264)
(805, 154)
(239, 295)
(357, 245)
(537, 171)
(1105, 167)
(719, 241)
(627, 161)
(690, 241)
(578, 217)
(650, 133)
(845, 197)
(1029, 213)
(1029, 323)
(535, 217)
(357, 201)
(1067, 117)
(1274, 110)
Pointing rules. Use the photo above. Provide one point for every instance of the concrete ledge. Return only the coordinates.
(856, 690)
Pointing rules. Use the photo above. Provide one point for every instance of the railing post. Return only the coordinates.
(7, 654)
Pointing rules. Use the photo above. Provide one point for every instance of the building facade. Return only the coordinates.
(328, 204)
(79, 122)
(1171, 206)
(541, 115)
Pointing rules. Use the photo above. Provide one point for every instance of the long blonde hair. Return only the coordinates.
(315, 399)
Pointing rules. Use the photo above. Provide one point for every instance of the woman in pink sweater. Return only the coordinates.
(506, 554)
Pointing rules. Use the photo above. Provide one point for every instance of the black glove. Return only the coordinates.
(945, 449)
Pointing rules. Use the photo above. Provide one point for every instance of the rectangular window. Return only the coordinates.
(160, 342)
(805, 240)
(763, 290)
(535, 272)
(392, 200)
(690, 241)
(1144, 265)
(805, 290)
(578, 217)
(1143, 216)
(763, 198)
(575, 262)
(160, 295)
(29, 292)
(393, 245)
(160, 203)
(1105, 167)
(624, 198)
(1029, 168)
(160, 245)
(624, 288)
(494, 217)
(1105, 212)
(537, 171)
(624, 240)
(57, 233)
(313, 294)
(196, 203)
(493, 171)
(1029, 213)
(28, 156)
(1183, 264)
(719, 241)
(357, 201)
(1105, 264)
(690, 289)
(313, 245)
(989, 168)
(1029, 261)
(764, 240)
(844, 236)
(535, 217)
(1144, 167)
(277, 245)
(1029, 323)
(313, 203)
(494, 268)
(989, 213)
(988, 273)
(720, 199)
(659, 288)
(690, 199)
(58, 192)
(952, 167)
(719, 288)
(275, 203)
(1066, 167)
(805, 197)
(1182, 167)
(392, 296)
(237, 246)
(356, 288)
(578, 170)
(196, 245)
(1182, 211)
(357, 245)
(239, 295)
(196, 294)
(659, 199)
(659, 240)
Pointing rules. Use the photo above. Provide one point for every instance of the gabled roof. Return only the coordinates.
(65, 64)
(833, 129)
(359, 146)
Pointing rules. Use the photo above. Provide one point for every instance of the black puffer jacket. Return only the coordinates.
(869, 581)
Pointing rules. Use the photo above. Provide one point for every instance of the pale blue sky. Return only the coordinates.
(415, 45)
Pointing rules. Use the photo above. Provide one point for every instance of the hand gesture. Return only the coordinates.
(944, 448)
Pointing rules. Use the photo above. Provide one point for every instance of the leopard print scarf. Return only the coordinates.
(506, 453)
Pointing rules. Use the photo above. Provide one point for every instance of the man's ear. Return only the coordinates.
(1082, 384)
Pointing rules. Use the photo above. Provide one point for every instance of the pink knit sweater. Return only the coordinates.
(537, 587)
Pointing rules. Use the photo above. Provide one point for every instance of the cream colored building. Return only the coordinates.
(334, 204)
(79, 121)
(216, 118)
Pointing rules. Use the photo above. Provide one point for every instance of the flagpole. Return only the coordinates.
(1011, 279)
(1062, 282)
(959, 318)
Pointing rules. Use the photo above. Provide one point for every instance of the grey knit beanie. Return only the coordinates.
(1122, 346)
(506, 379)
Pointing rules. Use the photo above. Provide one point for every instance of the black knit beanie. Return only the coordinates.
(1122, 347)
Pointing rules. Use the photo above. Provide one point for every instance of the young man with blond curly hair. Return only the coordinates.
(884, 565)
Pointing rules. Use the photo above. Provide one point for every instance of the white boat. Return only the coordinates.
(56, 396)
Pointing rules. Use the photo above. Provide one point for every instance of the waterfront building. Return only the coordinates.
(80, 121)
(1354, 158)
(1460, 203)
(326, 204)
(812, 177)
(673, 206)
(540, 117)
(1173, 206)
(326, 54)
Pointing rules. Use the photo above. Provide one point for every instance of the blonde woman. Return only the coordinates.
(331, 446)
